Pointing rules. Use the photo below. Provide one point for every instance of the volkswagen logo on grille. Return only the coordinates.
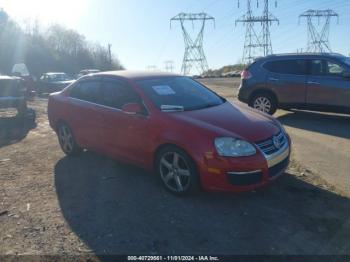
(276, 142)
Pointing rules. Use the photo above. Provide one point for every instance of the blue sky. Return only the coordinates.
(140, 34)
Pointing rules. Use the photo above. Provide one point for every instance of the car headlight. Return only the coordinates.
(232, 147)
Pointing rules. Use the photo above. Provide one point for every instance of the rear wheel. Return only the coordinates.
(264, 102)
(177, 171)
(67, 141)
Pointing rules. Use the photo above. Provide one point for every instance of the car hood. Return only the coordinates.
(236, 120)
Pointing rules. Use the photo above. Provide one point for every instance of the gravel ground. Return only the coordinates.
(93, 205)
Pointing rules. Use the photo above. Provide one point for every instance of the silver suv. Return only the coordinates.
(297, 81)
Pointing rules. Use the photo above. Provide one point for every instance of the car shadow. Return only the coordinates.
(330, 124)
(15, 128)
(119, 209)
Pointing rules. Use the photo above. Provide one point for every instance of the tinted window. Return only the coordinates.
(179, 91)
(334, 69)
(87, 91)
(293, 67)
(115, 93)
(318, 67)
(325, 68)
(346, 60)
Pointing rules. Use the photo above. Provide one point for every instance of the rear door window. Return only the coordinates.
(318, 67)
(291, 67)
(321, 67)
(116, 93)
(88, 90)
(334, 69)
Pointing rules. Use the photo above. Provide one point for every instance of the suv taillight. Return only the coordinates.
(245, 74)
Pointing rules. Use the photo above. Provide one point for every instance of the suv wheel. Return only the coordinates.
(264, 102)
(67, 141)
(177, 171)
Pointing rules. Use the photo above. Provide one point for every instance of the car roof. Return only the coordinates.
(55, 73)
(301, 55)
(136, 75)
(90, 70)
(3, 77)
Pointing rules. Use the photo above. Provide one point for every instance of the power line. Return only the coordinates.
(169, 66)
(318, 41)
(257, 44)
(152, 68)
(194, 57)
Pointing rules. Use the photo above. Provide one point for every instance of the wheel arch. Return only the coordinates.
(58, 123)
(263, 91)
(162, 146)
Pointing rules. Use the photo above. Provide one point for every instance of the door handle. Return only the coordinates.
(313, 83)
(273, 79)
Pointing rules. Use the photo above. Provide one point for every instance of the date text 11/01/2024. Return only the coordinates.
(173, 258)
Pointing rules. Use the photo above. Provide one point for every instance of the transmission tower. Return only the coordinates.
(152, 68)
(318, 41)
(169, 66)
(194, 57)
(257, 44)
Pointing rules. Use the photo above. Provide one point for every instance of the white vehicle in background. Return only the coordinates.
(21, 70)
(87, 72)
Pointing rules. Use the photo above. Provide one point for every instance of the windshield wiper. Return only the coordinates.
(171, 108)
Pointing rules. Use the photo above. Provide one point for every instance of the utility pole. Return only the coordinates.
(110, 55)
(169, 66)
(318, 41)
(194, 57)
(257, 44)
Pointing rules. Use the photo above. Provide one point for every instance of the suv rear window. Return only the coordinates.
(292, 67)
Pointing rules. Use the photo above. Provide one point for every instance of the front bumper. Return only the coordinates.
(244, 174)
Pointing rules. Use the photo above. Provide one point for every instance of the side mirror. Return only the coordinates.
(132, 108)
(346, 74)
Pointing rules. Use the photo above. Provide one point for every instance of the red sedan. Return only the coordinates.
(191, 137)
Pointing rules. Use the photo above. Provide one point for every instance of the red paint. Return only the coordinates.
(135, 139)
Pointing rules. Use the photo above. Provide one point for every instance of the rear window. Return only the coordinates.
(292, 67)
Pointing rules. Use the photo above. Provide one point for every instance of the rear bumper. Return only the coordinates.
(242, 95)
(12, 102)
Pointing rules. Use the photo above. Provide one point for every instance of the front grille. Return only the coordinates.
(269, 146)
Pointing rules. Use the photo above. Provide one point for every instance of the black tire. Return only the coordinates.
(264, 102)
(189, 182)
(22, 110)
(68, 144)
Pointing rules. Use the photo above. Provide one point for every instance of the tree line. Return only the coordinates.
(55, 49)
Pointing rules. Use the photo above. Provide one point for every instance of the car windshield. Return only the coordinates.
(59, 77)
(179, 94)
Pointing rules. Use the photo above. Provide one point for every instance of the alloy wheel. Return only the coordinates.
(175, 172)
(66, 139)
(262, 104)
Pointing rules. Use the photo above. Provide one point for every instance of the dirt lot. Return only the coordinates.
(51, 204)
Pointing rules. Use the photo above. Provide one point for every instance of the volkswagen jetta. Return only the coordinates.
(190, 136)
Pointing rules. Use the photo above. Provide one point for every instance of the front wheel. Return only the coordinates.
(177, 171)
(264, 102)
(67, 141)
